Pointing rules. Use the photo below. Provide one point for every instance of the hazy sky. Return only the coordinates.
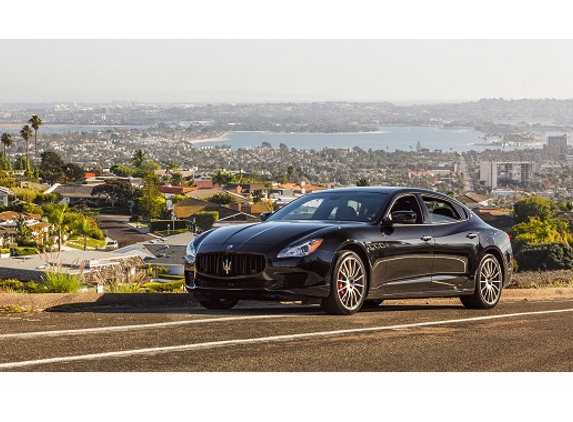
(355, 54)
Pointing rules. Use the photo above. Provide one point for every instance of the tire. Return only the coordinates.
(348, 286)
(218, 303)
(488, 285)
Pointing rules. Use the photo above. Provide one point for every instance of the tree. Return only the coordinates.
(74, 173)
(222, 198)
(290, 172)
(121, 170)
(26, 134)
(142, 164)
(118, 191)
(139, 158)
(36, 122)
(177, 179)
(150, 202)
(362, 182)
(51, 167)
(55, 214)
(7, 141)
(534, 206)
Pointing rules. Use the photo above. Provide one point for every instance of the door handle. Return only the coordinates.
(426, 238)
(472, 235)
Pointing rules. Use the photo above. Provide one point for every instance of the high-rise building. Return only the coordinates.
(557, 143)
(491, 172)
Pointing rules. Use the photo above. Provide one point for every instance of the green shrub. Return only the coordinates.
(544, 257)
(124, 287)
(172, 286)
(205, 220)
(4, 250)
(11, 285)
(33, 287)
(60, 282)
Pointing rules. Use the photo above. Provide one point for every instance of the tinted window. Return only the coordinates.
(335, 206)
(441, 211)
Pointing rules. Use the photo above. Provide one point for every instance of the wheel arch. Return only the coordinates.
(498, 255)
(363, 256)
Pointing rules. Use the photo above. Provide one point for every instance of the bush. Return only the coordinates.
(11, 285)
(205, 220)
(544, 257)
(60, 282)
(172, 286)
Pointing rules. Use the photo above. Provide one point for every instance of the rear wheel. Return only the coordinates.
(489, 282)
(348, 285)
(218, 303)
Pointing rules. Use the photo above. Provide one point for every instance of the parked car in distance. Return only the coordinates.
(353, 247)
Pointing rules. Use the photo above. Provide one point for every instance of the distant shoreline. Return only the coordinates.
(224, 136)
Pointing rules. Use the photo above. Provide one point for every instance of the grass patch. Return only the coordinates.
(11, 309)
(541, 279)
(60, 282)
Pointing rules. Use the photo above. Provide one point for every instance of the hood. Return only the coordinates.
(261, 237)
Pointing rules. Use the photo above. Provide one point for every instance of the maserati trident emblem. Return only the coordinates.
(227, 266)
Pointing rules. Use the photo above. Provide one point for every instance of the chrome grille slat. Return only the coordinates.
(230, 264)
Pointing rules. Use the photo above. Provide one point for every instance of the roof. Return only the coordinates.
(175, 189)
(6, 191)
(75, 191)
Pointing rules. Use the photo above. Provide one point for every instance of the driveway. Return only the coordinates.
(116, 228)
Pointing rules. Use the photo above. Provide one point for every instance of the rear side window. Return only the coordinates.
(441, 211)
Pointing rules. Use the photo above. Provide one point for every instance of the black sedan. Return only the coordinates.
(352, 247)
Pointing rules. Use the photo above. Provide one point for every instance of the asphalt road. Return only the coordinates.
(416, 336)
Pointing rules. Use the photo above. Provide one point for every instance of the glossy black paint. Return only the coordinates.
(404, 258)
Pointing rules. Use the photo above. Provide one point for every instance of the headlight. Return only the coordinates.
(190, 252)
(300, 250)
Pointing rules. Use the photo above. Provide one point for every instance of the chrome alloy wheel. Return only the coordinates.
(351, 282)
(490, 280)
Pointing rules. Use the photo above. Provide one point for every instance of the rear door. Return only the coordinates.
(455, 243)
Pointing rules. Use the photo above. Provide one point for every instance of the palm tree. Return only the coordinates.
(26, 133)
(36, 122)
(7, 141)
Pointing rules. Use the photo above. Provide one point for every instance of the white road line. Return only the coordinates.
(288, 337)
(81, 331)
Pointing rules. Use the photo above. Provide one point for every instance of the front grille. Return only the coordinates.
(230, 264)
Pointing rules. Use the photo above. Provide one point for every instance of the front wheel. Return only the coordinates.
(348, 285)
(218, 303)
(489, 282)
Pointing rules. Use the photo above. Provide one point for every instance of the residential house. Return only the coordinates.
(4, 195)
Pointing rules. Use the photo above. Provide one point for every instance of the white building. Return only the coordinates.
(492, 171)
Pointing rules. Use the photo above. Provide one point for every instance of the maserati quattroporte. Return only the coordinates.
(352, 247)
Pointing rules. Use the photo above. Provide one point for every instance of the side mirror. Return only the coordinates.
(404, 217)
(265, 215)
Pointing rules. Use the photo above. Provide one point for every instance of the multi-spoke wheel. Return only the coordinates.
(348, 285)
(489, 282)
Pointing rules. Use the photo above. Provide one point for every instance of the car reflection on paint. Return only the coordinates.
(354, 247)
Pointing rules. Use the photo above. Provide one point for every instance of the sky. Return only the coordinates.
(284, 70)
(323, 51)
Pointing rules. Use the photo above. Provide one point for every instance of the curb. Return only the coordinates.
(69, 301)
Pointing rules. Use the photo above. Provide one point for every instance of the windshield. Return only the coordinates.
(335, 206)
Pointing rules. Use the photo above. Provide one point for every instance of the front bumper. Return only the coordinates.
(288, 279)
